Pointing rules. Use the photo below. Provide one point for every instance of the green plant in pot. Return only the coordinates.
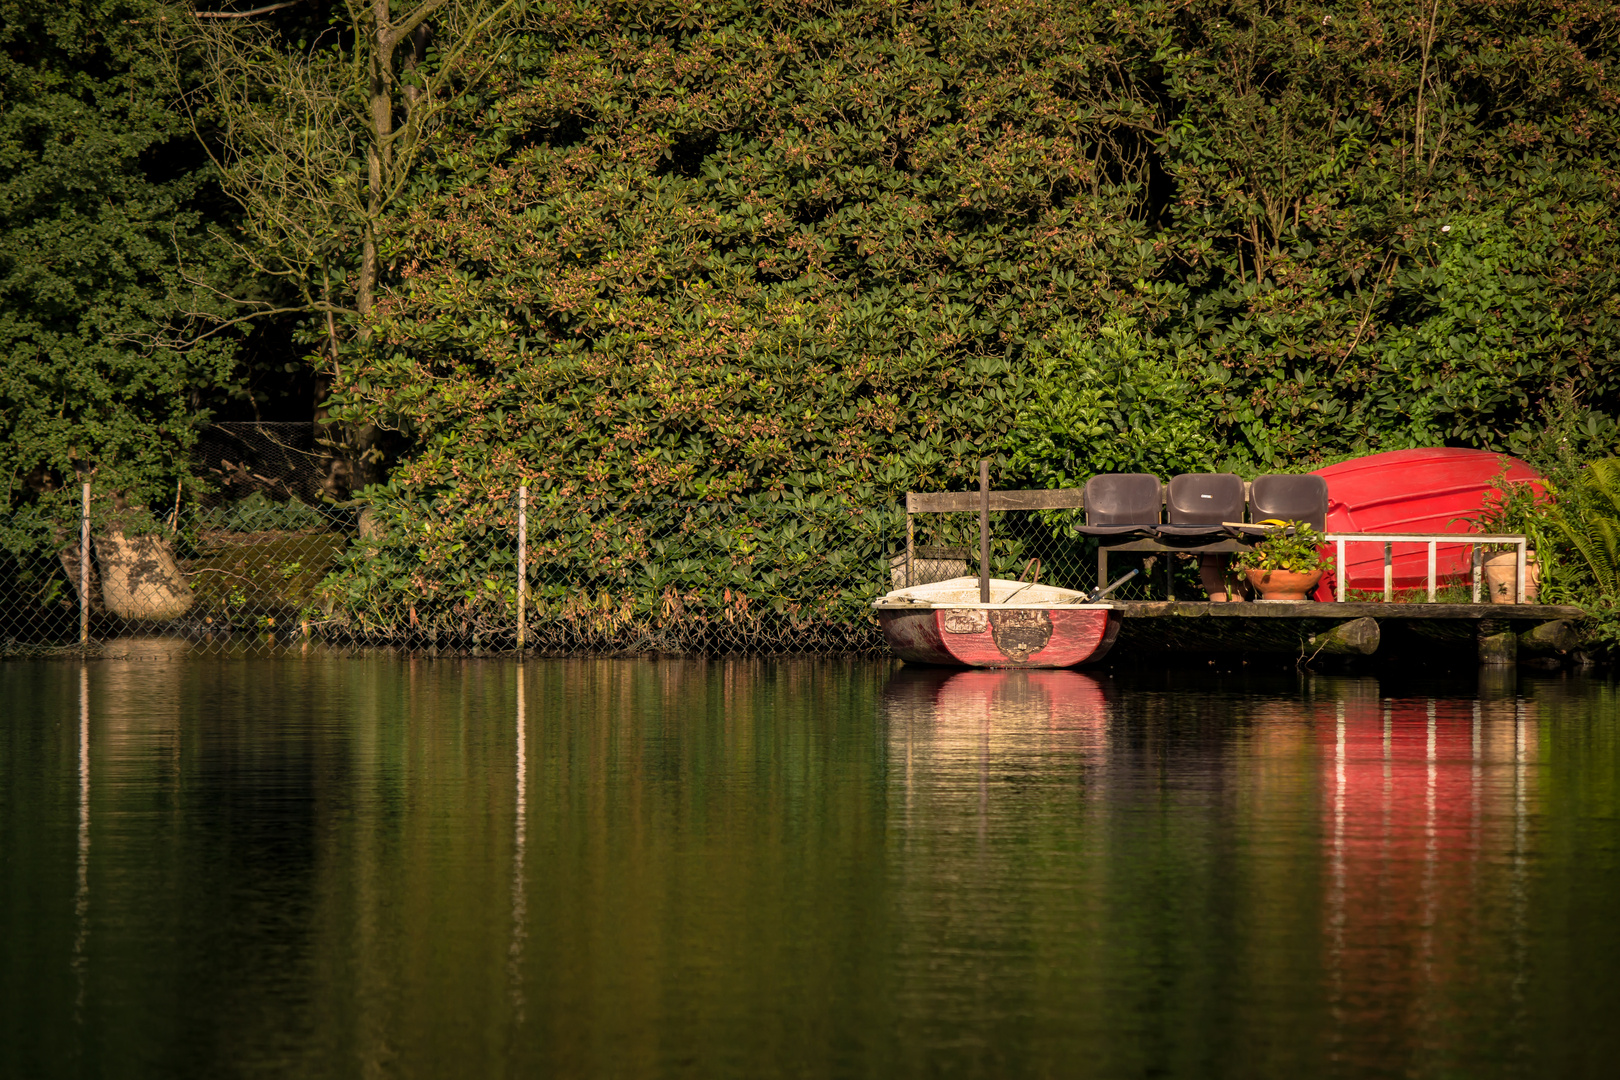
(1287, 564)
(1512, 507)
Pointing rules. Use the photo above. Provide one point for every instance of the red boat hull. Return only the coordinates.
(1016, 702)
(1422, 491)
(1002, 637)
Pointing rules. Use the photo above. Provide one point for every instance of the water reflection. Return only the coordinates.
(81, 895)
(1419, 868)
(1428, 806)
(958, 728)
(746, 868)
(520, 912)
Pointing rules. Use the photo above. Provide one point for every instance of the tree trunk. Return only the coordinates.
(140, 578)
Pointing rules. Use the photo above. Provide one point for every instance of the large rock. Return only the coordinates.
(140, 578)
(1358, 637)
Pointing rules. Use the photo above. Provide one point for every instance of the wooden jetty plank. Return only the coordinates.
(1350, 609)
(940, 502)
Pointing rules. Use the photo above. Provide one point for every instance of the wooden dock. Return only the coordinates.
(1502, 633)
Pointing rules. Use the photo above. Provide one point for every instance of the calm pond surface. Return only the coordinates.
(328, 866)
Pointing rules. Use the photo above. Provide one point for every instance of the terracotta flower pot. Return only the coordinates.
(1500, 569)
(1284, 584)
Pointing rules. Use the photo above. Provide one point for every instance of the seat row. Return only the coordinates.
(1200, 505)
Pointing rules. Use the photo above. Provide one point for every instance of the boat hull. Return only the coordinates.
(1423, 491)
(1000, 637)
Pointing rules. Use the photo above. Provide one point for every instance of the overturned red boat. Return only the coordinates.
(1023, 625)
(1412, 491)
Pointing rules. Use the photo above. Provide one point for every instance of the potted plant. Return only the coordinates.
(1287, 564)
(1513, 507)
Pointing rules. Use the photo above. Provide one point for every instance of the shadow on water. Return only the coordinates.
(331, 866)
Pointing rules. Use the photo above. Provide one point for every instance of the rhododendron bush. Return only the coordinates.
(720, 282)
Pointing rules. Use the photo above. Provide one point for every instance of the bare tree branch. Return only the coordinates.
(402, 29)
(245, 14)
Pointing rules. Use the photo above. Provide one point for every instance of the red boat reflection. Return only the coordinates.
(1055, 698)
(1413, 792)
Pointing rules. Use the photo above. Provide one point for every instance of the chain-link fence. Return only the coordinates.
(1041, 545)
(262, 557)
(260, 575)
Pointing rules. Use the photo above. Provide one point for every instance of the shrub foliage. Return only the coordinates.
(797, 254)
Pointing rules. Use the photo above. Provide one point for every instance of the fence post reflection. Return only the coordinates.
(519, 840)
(81, 895)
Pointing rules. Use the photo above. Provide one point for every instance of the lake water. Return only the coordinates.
(379, 866)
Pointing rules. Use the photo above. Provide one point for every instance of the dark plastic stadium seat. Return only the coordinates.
(1118, 504)
(1289, 497)
(1199, 503)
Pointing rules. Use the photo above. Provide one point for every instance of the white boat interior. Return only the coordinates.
(963, 592)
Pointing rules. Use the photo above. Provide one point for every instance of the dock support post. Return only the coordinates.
(523, 566)
(1389, 572)
(1358, 637)
(1498, 645)
(1518, 568)
(1338, 572)
(1549, 637)
(1432, 558)
(1478, 560)
(84, 568)
(984, 531)
(1102, 566)
(1170, 576)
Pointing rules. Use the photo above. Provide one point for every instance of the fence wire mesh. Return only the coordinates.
(267, 552)
(256, 574)
(1043, 545)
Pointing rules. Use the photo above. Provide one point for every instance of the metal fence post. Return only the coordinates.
(523, 565)
(984, 531)
(84, 567)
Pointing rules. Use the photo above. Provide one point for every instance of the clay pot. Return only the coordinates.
(1500, 570)
(1284, 584)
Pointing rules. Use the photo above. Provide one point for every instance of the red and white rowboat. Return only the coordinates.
(1023, 626)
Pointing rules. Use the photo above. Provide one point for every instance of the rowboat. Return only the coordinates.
(1428, 490)
(1022, 625)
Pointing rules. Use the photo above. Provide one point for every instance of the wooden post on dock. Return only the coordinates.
(984, 531)
(523, 564)
(1498, 645)
(84, 568)
(911, 544)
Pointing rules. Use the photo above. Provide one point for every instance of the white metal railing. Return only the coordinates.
(1433, 540)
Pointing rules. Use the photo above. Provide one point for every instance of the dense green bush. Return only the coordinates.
(770, 253)
(1113, 401)
(109, 277)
